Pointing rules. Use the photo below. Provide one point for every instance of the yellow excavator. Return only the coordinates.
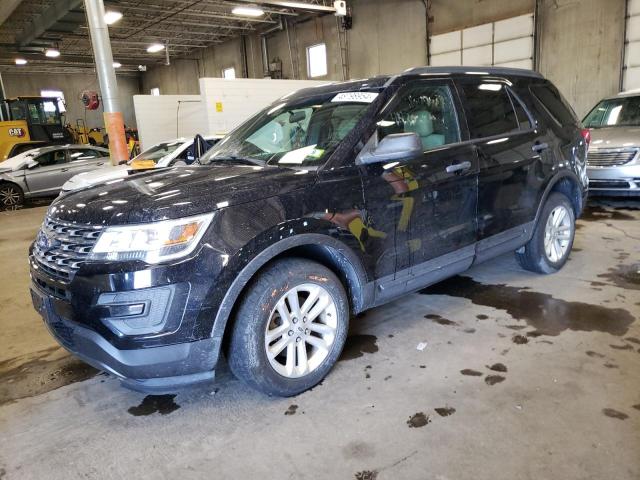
(30, 122)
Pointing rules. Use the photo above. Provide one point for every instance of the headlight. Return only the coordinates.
(153, 242)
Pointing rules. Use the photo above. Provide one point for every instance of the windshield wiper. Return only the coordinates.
(238, 159)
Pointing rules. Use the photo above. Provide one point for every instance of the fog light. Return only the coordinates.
(126, 310)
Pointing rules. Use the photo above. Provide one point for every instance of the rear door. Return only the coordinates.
(512, 155)
(84, 160)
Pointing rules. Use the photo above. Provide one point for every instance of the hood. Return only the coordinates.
(94, 177)
(615, 137)
(18, 162)
(175, 193)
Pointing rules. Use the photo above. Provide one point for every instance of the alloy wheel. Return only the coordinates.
(557, 234)
(9, 196)
(301, 330)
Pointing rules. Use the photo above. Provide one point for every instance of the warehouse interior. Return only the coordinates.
(493, 373)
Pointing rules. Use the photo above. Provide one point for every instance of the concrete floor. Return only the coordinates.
(523, 377)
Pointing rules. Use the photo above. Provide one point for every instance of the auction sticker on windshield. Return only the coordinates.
(362, 97)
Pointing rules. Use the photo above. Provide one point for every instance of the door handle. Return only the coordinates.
(100, 164)
(538, 147)
(458, 167)
(64, 170)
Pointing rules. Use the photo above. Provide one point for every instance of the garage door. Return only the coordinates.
(506, 43)
(631, 76)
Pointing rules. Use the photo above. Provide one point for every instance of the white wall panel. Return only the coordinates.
(478, 56)
(476, 36)
(446, 59)
(506, 42)
(164, 117)
(632, 55)
(527, 64)
(227, 103)
(633, 7)
(519, 49)
(630, 78)
(515, 27)
(633, 28)
(447, 42)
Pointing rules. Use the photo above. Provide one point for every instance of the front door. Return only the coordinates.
(48, 176)
(431, 200)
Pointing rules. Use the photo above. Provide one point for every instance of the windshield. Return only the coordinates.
(159, 151)
(301, 133)
(615, 112)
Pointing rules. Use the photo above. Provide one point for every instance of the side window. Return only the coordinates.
(82, 154)
(555, 104)
(489, 109)
(55, 157)
(427, 110)
(524, 120)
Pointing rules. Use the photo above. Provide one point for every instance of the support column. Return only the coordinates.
(103, 57)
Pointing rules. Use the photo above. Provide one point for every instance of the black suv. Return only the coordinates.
(331, 201)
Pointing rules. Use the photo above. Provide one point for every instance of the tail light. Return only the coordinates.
(586, 134)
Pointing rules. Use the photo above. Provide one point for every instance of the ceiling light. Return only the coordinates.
(155, 48)
(248, 11)
(111, 17)
(21, 61)
(117, 64)
(52, 52)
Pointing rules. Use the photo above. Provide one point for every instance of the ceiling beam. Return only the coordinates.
(314, 7)
(46, 20)
(7, 7)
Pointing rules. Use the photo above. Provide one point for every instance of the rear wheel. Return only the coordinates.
(550, 245)
(290, 328)
(10, 195)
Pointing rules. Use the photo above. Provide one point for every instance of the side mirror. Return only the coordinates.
(397, 146)
(32, 164)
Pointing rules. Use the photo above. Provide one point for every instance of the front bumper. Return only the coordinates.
(621, 180)
(144, 336)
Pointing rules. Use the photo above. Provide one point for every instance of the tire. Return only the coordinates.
(11, 195)
(260, 310)
(535, 256)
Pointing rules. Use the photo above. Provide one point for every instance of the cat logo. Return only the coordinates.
(16, 132)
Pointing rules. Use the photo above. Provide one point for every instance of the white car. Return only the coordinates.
(174, 152)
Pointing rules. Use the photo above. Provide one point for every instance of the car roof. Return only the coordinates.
(381, 81)
(51, 148)
(462, 70)
(630, 93)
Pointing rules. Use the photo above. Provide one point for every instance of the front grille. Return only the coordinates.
(610, 158)
(610, 184)
(61, 248)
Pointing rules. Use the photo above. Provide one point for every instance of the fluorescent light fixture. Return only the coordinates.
(155, 48)
(52, 53)
(117, 64)
(248, 11)
(111, 17)
(21, 61)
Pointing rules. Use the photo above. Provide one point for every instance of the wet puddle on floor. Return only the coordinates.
(37, 373)
(623, 276)
(357, 345)
(546, 314)
(596, 213)
(162, 404)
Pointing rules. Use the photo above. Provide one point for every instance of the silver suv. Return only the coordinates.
(613, 163)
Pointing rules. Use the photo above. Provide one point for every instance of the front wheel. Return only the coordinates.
(290, 328)
(11, 196)
(549, 247)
